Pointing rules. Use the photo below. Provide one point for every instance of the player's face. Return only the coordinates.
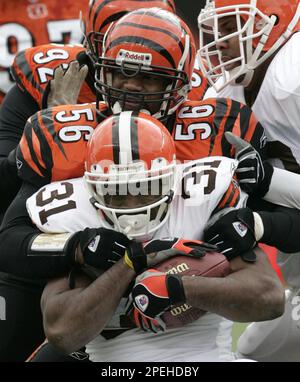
(229, 48)
(140, 83)
(133, 195)
(130, 201)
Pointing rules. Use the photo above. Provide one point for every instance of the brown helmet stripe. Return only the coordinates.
(116, 140)
(134, 136)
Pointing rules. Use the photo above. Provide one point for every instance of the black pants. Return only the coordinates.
(22, 330)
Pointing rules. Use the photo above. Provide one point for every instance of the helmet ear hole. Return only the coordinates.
(277, 19)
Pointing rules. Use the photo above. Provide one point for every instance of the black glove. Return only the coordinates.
(101, 248)
(232, 231)
(141, 256)
(252, 173)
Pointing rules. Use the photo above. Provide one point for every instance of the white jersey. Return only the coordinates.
(277, 106)
(207, 339)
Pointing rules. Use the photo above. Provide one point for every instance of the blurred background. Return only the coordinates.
(189, 11)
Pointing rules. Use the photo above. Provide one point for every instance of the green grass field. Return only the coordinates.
(237, 330)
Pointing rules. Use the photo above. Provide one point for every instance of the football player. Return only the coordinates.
(54, 143)
(252, 59)
(200, 133)
(133, 186)
(251, 48)
(137, 73)
(33, 70)
(24, 24)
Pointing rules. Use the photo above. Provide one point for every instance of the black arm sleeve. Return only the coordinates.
(15, 235)
(281, 224)
(17, 107)
(9, 182)
(281, 228)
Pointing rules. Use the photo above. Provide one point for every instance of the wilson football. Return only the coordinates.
(211, 265)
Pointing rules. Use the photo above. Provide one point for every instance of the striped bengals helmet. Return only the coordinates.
(130, 173)
(152, 43)
(101, 13)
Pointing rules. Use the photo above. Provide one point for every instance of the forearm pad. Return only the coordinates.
(61, 244)
(19, 258)
(281, 229)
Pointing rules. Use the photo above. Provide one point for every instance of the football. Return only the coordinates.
(213, 264)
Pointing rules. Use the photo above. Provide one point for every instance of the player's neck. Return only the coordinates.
(252, 90)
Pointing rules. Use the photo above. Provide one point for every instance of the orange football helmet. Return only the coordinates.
(130, 173)
(101, 13)
(151, 43)
(260, 26)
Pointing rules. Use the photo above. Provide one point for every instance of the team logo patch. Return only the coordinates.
(240, 228)
(142, 302)
(19, 164)
(94, 244)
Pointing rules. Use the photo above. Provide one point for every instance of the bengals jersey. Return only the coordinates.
(54, 141)
(27, 23)
(199, 84)
(53, 144)
(199, 128)
(33, 69)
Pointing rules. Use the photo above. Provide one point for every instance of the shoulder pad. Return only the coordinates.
(63, 207)
(53, 144)
(199, 128)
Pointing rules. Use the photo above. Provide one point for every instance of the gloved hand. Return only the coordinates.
(66, 84)
(253, 174)
(100, 247)
(141, 256)
(153, 293)
(233, 232)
